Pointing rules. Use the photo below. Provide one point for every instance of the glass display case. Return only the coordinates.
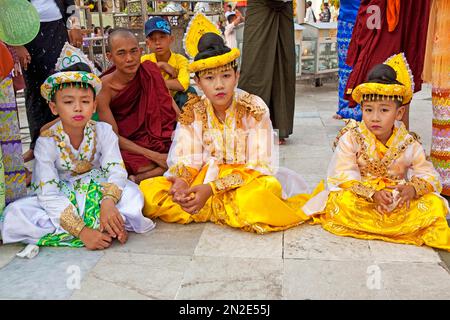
(319, 48)
(298, 32)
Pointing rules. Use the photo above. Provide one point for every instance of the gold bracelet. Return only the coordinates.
(363, 191)
(228, 182)
(71, 222)
(112, 191)
(110, 196)
(421, 186)
(182, 172)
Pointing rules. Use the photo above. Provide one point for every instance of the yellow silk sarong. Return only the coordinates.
(256, 206)
(423, 223)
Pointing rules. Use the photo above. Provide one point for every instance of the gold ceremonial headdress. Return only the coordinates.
(198, 27)
(63, 79)
(401, 91)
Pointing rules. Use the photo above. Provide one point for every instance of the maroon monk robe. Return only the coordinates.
(144, 114)
(369, 47)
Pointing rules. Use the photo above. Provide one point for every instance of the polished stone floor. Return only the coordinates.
(205, 261)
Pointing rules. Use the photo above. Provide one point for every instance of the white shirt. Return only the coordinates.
(47, 9)
(230, 36)
(309, 15)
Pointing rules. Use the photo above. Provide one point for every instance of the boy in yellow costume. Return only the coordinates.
(222, 159)
(380, 184)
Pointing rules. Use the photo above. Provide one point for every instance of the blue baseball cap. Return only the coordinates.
(157, 24)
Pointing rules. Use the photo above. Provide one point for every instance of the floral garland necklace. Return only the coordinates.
(78, 165)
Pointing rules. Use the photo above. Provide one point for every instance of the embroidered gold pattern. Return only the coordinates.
(47, 133)
(375, 167)
(70, 222)
(187, 114)
(192, 106)
(77, 166)
(421, 186)
(363, 191)
(181, 171)
(349, 124)
(246, 105)
(219, 69)
(229, 181)
(111, 191)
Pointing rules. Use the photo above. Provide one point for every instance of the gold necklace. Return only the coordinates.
(79, 166)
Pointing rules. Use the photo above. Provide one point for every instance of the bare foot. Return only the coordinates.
(28, 156)
(338, 117)
(123, 237)
(28, 177)
(282, 141)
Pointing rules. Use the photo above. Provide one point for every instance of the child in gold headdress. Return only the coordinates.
(222, 159)
(82, 195)
(380, 184)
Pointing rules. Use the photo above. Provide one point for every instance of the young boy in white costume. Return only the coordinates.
(82, 195)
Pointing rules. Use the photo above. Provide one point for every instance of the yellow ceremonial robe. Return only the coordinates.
(239, 153)
(361, 165)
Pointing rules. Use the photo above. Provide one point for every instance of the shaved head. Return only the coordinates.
(122, 34)
(124, 51)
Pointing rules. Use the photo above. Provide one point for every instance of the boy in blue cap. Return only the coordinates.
(174, 66)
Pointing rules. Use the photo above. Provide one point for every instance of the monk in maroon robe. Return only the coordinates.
(403, 28)
(136, 102)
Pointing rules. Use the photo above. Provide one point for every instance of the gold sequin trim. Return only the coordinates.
(421, 186)
(77, 166)
(246, 105)
(363, 191)
(375, 167)
(228, 182)
(112, 191)
(192, 106)
(181, 171)
(70, 222)
(349, 124)
(220, 69)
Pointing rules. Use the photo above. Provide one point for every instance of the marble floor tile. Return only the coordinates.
(330, 280)
(8, 253)
(52, 274)
(132, 275)
(223, 241)
(416, 281)
(311, 242)
(164, 239)
(394, 252)
(232, 278)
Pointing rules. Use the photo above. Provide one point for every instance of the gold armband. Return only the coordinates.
(70, 222)
(230, 181)
(421, 186)
(183, 172)
(363, 191)
(111, 191)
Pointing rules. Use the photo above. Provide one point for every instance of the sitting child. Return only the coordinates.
(222, 159)
(174, 66)
(380, 184)
(83, 197)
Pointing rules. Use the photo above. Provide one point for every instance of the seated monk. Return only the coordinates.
(137, 103)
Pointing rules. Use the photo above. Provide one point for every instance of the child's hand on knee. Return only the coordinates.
(178, 190)
(111, 220)
(199, 195)
(406, 194)
(382, 199)
(94, 239)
